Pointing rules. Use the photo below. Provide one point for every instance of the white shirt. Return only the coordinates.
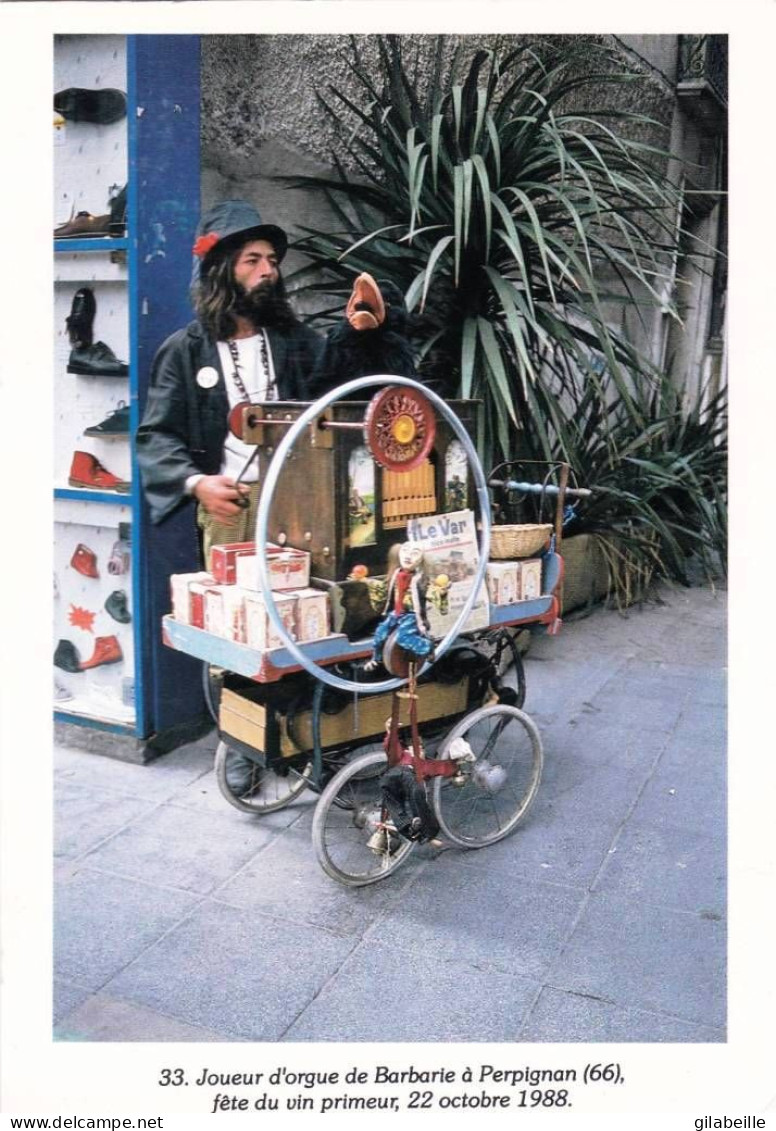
(259, 385)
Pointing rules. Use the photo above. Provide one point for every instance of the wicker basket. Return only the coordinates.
(518, 541)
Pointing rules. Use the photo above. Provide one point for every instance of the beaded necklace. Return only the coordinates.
(264, 357)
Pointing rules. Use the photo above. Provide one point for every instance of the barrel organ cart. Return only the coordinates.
(442, 747)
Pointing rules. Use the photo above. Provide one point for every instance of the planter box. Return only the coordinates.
(586, 575)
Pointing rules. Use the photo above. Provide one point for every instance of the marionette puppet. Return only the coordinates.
(372, 338)
(405, 609)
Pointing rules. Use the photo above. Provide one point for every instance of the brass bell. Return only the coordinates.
(378, 842)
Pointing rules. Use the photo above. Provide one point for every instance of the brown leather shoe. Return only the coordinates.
(107, 650)
(87, 471)
(83, 224)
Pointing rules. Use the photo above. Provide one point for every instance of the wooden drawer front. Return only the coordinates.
(436, 701)
(242, 719)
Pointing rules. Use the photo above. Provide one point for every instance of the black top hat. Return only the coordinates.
(231, 223)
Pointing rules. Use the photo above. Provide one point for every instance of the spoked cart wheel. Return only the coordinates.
(352, 839)
(212, 686)
(495, 788)
(263, 790)
(507, 660)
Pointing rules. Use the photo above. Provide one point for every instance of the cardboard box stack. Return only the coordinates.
(501, 579)
(227, 601)
(529, 579)
(512, 581)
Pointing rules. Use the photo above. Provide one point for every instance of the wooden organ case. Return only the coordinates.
(335, 501)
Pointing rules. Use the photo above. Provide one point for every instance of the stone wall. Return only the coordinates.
(262, 118)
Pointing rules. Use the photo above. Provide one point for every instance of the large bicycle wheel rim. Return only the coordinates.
(265, 790)
(348, 817)
(499, 786)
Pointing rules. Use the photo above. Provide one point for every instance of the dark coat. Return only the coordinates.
(185, 425)
(349, 353)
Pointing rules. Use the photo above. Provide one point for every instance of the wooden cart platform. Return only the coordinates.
(273, 663)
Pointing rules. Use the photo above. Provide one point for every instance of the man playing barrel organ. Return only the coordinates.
(247, 344)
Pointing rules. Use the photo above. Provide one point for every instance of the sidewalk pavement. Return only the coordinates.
(601, 918)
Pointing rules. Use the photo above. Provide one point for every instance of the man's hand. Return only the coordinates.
(219, 495)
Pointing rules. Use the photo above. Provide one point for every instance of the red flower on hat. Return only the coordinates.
(205, 244)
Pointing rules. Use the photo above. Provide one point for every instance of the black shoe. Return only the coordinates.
(98, 360)
(98, 106)
(115, 423)
(118, 214)
(79, 320)
(66, 657)
(116, 605)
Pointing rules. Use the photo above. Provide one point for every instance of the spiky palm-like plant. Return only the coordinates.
(497, 212)
(659, 507)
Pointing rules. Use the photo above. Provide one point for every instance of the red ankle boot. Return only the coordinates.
(87, 471)
(85, 561)
(107, 650)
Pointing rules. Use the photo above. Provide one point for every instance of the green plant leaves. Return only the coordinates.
(519, 226)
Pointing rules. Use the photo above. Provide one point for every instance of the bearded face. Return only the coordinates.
(258, 303)
(246, 284)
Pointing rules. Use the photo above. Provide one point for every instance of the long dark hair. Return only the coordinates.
(218, 298)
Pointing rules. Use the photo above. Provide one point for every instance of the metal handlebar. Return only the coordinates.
(540, 488)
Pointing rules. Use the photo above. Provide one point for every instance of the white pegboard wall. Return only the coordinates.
(87, 267)
(79, 401)
(89, 159)
(100, 692)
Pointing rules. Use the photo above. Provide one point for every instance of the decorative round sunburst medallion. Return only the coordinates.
(400, 427)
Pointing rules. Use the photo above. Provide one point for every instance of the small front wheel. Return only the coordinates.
(496, 783)
(353, 839)
(252, 788)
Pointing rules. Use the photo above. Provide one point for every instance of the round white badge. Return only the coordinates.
(207, 377)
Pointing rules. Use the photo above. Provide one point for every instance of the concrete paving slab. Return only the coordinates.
(668, 867)
(605, 793)
(543, 849)
(663, 961)
(66, 997)
(559, 1016)
(85, 816)
(234, 971)
(650, 682)
(704, 724)
(103, 1018)
(628, 706)
(486, 918)
(382, 993)
(705, 684)
(556, 691)
(685, 795)
(585, 741)
(102, 922)
(183, 848)
(286, 881)
(155, 781)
